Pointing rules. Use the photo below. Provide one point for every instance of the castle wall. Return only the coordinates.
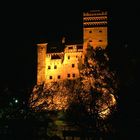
(58, 69)
(53, 69)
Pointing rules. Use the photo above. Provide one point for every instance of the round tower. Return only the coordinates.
(41, 62)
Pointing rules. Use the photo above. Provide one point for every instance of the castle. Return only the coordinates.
(54, 64)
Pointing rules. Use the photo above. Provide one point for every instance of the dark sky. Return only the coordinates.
(25, 24)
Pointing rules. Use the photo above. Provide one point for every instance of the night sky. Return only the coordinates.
(25, 24)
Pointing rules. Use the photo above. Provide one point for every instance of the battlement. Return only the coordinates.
(95, 13)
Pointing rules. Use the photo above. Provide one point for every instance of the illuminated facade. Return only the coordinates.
(54, 64)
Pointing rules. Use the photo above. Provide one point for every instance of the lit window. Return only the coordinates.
(73, 75)
(68, 75)
(68, 57)
(50, 77)
(49, 67)
(100, 40)
(59, 77)
(73, 65)
(55, 67)
(90, 31)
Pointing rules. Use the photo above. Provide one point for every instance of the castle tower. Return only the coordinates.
(95, 29)
(41, 62)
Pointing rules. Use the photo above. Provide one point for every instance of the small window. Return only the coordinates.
(100, 31)
(73, 75)
(68, 75)
(68, 57)
(55, 67)
(50, 77)
(90, 31)
(73, 65)
(49, 67)
(76, 56)
(90, 40)
(59, 77)
(100, 40)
